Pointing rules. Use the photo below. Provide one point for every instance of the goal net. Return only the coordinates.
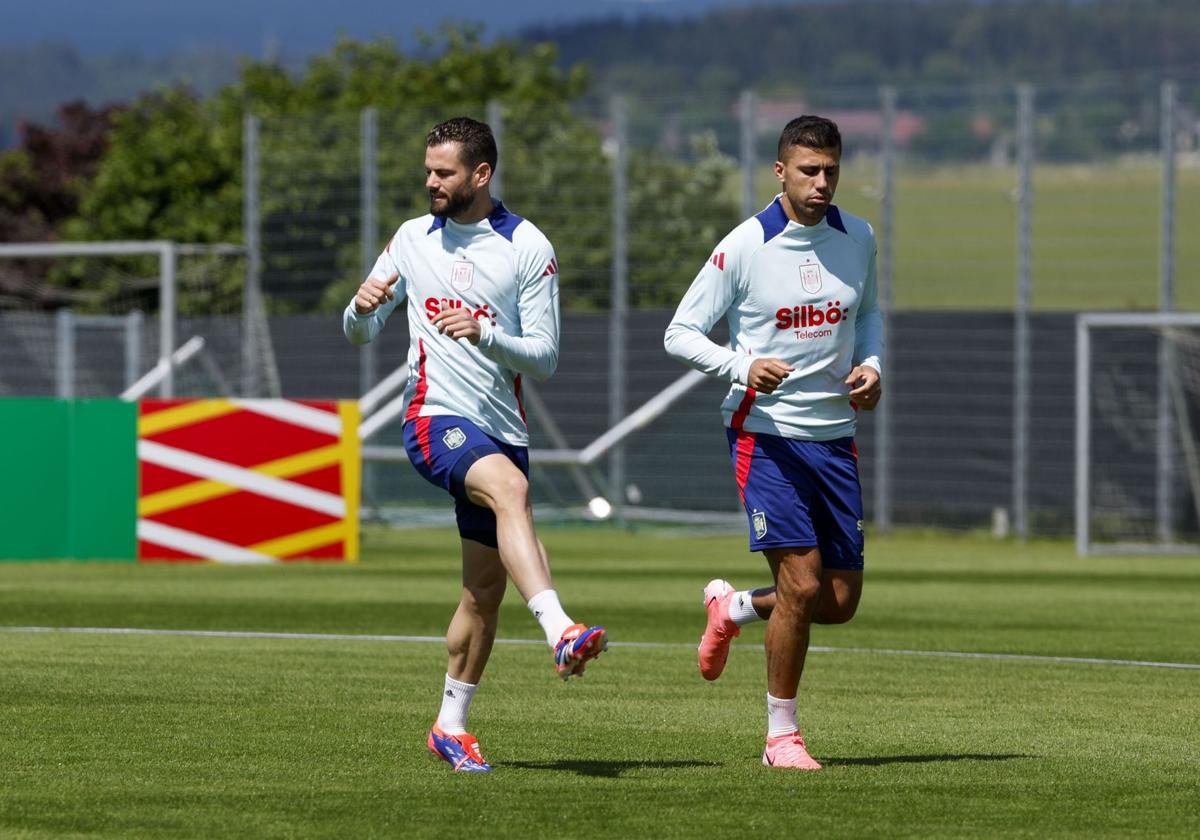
(94, 319)
(1137, 454)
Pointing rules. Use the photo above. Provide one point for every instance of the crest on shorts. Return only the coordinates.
(810, 277)
(454, 438)
(462, 275)
(760, 524)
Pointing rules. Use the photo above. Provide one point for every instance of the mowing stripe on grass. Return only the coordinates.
(370, 637)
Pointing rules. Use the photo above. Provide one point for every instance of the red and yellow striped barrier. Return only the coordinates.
(244, 481)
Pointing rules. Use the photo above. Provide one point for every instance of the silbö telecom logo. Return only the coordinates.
(803, 317)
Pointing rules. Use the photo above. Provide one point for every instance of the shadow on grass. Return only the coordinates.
(606, 769)
(876, 761)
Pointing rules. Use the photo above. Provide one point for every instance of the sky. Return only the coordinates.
(253, 27)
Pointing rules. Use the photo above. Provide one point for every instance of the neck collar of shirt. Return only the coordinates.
(495, 221)
(788, 221)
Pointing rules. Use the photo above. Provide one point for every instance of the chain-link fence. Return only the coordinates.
(999, 212)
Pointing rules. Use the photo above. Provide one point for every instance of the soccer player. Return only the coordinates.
(481, 285)
(797, 285)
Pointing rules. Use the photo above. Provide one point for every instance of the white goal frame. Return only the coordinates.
(168, 252)
(1084, 324)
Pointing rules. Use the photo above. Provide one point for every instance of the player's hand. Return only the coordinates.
(458, 323)
(768, 374)
(373, 293)
(865, 387)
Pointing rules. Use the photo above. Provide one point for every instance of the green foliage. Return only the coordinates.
(311, 125)
(42, 178)
(678, 212)
(172, 172)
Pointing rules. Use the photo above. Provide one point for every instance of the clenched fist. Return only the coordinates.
(373, 293)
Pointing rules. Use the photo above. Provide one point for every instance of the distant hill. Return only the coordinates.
(869, 42)
(35, 80)
(797, 47)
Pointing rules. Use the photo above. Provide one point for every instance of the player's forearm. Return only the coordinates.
(360, 329)
(868, 339)
(534, 355)
(693, 348)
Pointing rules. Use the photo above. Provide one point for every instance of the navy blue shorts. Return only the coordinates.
(443, 448)
(801, 493)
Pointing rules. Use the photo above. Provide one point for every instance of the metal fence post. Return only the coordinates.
(250, 234)
(64, 353)
(368, 184)
(748, 114)
(885, 268)
(167, 305)
(368, 356)
(1164, 497)
(133, 346)
(495, 118)
(1083, 436)
(1021, 333)
(619, 304)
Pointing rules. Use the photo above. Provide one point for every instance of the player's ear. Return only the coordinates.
(482, 175)
(779, 169)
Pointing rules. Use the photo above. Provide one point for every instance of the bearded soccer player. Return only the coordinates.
(481, 285)
(797, 285)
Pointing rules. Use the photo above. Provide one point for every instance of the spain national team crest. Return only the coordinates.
(760, 524)
(462, 275)
(810, 277)
(454, 438)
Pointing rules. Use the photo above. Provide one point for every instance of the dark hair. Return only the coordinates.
(812, 132)
(475, 139)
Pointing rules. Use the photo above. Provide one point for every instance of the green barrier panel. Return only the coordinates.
(102, 481)
(68, 479)
(33, 478)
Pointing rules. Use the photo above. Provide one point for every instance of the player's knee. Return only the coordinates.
(839, 602)
(512, 492)
(484, 598)
(798, 589)
(839, 613)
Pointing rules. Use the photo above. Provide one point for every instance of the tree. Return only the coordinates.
(40, 186)
(42, 179)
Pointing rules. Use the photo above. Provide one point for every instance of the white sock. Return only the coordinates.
(550, 615)
(456, 705)
(741, 610)
(781, 716)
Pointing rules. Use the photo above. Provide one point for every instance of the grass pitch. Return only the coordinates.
(122, 735)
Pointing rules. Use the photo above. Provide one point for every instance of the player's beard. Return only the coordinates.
(456, 202)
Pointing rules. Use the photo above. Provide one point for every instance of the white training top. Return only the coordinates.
(503, 269)
(805, 294)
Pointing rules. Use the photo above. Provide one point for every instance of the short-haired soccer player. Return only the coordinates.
(481, 285)
(797, 285)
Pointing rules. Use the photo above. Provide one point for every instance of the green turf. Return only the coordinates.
(183, 736)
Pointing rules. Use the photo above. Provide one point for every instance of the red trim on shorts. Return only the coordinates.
(414, 407)
(854, 449)
(739, 416)
(423, 439)
(520, 404)
(741, 467)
